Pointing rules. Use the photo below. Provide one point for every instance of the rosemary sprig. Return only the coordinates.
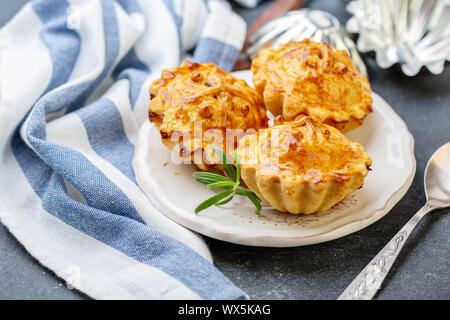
(231, 185)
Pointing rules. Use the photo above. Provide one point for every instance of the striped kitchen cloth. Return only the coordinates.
(74, 78)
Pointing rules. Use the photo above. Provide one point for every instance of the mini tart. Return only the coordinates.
(195, 104)
(315, 79)
(302, 166)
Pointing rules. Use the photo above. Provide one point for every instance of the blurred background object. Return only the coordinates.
(297, 25)
(274, 10)
(410, 32)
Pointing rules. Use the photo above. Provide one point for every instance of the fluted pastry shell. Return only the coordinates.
(315, 79)
(194, 105)
(302, 166)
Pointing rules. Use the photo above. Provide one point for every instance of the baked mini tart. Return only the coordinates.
(194, 105)
(315, 79)
(302, 166)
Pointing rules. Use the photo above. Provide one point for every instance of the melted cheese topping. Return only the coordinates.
(305, 150)
(313, 79)
(205, 94)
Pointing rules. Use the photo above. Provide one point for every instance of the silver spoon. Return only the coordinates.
(437, 190)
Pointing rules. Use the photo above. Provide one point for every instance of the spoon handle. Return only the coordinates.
(367, 283)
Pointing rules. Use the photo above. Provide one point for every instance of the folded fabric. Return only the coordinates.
(74, 76)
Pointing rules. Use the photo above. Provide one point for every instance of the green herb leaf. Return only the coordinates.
(221, 184)
(252, 196)
(225, 201)
(210, 175)
(213, 200)
(231, 185)
(229, 167)
(242, 191)
(238, 167)
(205, 181)
(256, 202)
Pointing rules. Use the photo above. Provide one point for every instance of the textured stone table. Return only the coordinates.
(320, 271)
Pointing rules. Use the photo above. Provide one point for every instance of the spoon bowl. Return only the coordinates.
(437, 178)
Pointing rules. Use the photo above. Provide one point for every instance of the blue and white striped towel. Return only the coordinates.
(73, 91)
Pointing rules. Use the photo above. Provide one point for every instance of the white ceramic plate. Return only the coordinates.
(173, 190)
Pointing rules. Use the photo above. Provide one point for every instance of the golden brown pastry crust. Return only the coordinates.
(312, 79)
(206, 95)
(302, 166)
